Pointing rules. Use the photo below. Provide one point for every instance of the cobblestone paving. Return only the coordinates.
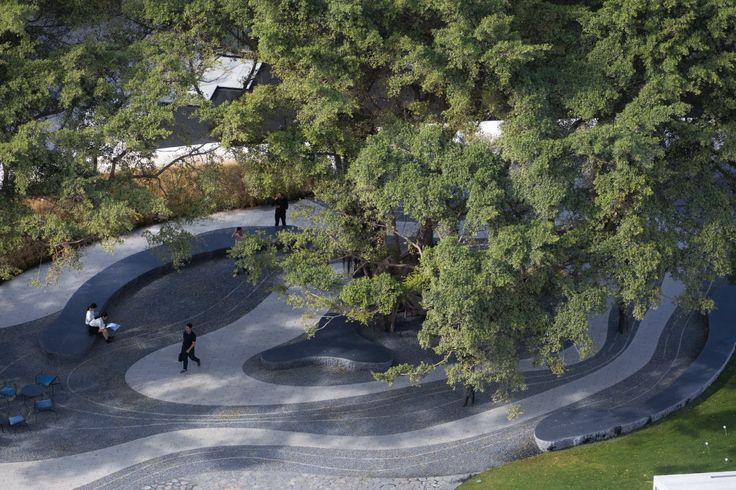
(173, 484)
(257, 480)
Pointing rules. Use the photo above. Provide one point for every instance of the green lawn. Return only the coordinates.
(675, 445)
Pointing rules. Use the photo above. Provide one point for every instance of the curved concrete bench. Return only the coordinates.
(337, 344)
(574, 426)
(67, 337)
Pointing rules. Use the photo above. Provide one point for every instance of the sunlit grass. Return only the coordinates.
(674, 445)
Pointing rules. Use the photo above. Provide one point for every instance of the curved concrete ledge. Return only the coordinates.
(20, 302)
(336, 343)
(67, 337)
(556, 431)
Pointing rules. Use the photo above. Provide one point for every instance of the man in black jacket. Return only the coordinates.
(187, 348)
(282, 204)
(469, 395)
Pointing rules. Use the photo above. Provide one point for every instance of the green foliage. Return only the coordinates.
(81, 91)
(616, 163)
(434, 178)
(255, 255)
(414, 373)
(176, 240)
(366, 297)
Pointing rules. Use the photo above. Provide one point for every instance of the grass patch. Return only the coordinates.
(673, 445)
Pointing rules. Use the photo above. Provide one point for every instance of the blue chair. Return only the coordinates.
(13, 421)
(8, 391)
(48, 380)
(45, 405)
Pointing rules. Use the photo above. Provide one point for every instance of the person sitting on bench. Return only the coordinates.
(89, 316)
(105, 329)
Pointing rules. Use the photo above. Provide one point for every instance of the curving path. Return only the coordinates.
(128, 419)
(223, 382)
(21, 301)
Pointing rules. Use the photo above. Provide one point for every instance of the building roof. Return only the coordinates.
(704, 481)
(228, 72)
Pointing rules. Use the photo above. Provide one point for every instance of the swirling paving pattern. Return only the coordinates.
(126, 418)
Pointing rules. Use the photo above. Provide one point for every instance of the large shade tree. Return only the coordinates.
(614, 168)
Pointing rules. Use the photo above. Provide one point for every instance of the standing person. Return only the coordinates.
(282, 204)
(187, 348)
(237, 236)
(89, 316)
(469, 395)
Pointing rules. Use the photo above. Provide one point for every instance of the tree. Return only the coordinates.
(637, 146)
(348, 68)
(86, 92)
(616, 163)
(484, 300)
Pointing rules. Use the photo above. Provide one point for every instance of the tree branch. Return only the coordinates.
(195, 152)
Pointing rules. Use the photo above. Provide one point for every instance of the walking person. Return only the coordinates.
(187, 348)
(282, 204)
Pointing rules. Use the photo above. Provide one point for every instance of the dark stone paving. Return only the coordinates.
(97, 409)
(402, 344)
(66, 337)
(336, 343)
(478, 452)
(680, 344)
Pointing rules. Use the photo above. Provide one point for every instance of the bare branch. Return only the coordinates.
(194, 152)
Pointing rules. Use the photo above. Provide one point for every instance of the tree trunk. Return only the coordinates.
(389, 321)
(7, 184)
(623, 318)
(340, 163)
(426, 234)
(397, 242)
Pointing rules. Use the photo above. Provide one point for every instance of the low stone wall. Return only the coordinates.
(336, 344)
(67, 337)
(566, 428)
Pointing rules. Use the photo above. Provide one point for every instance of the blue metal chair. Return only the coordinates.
(45, 405)
(8, 391)
(48, 380)
(13, 421)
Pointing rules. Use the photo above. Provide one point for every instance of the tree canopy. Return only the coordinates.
(615, 166)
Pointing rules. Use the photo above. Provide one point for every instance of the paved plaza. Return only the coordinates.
(127, 418)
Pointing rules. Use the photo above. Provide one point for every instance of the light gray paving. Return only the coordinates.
(257, 480)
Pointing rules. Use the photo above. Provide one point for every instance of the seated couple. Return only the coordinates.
(96, 323)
